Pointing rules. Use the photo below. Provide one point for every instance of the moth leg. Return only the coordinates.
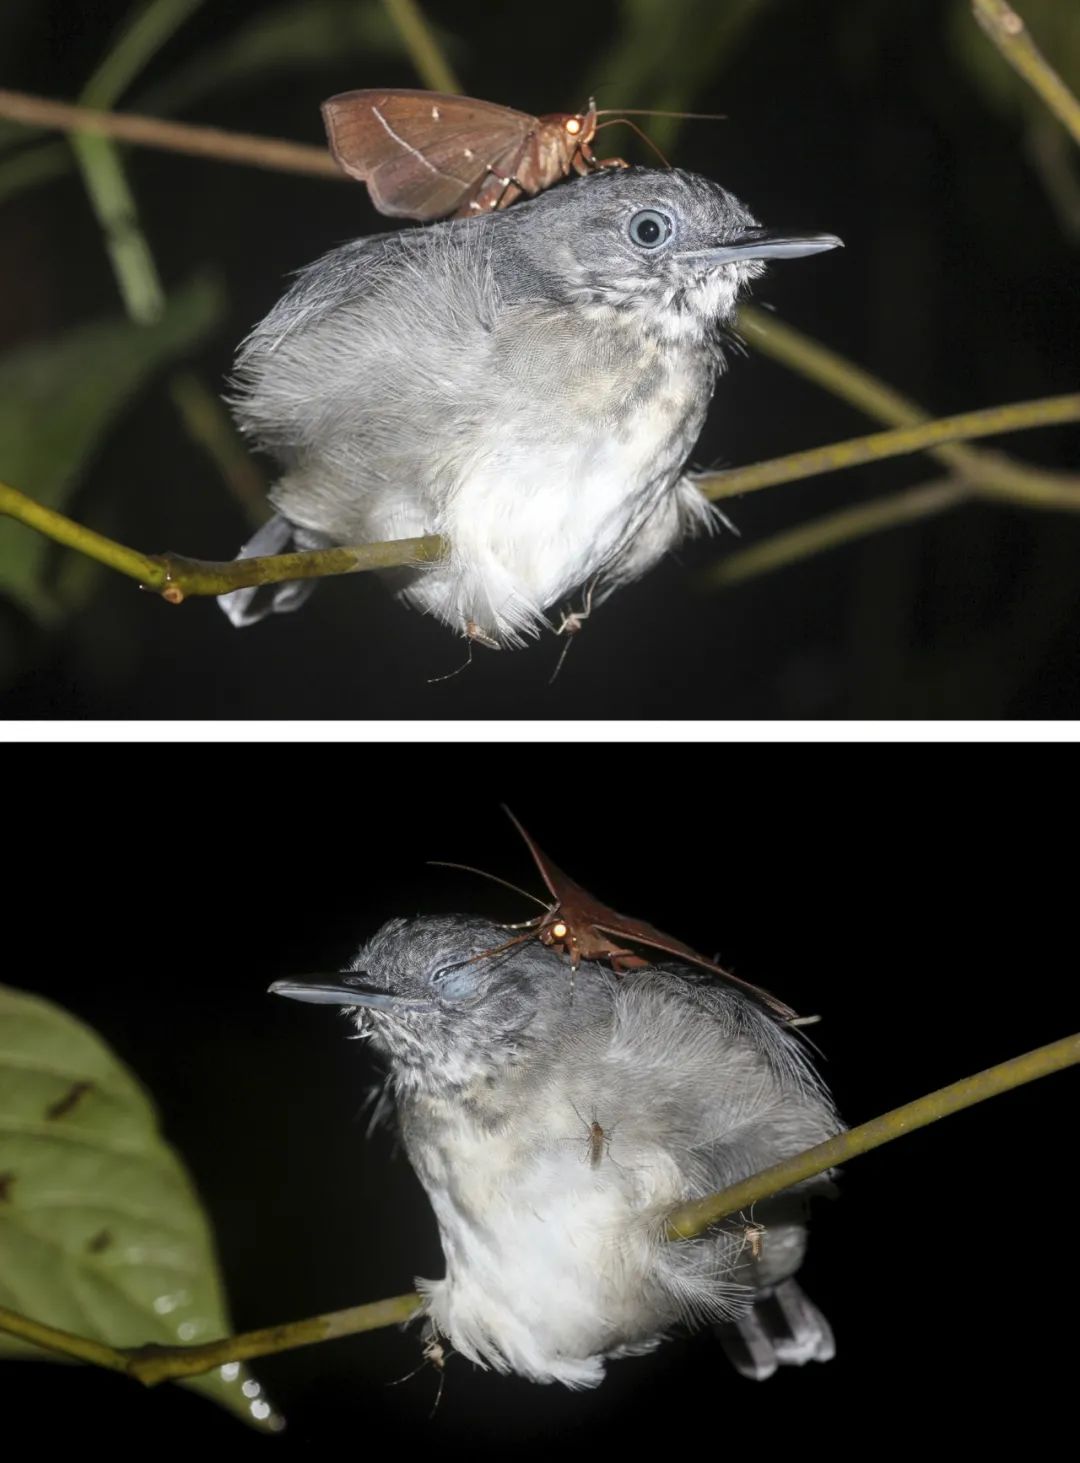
(586, 161)
(487, 199)
(624, 960)
(506, 183)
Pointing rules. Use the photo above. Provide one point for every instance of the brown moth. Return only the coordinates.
(428, 155)
(580, 926)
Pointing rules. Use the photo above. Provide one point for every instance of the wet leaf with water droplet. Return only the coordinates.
(101, 1230)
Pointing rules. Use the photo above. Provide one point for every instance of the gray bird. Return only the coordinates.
(528, 383)
(556, 1118)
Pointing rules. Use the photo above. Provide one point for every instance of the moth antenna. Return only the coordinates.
(439, 863)
(538, 858)
(644, 112)
(625, 122)
(500, 949)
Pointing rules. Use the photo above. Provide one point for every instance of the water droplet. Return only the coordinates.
(251, 1389)
(261, 1410)
(230, 1371)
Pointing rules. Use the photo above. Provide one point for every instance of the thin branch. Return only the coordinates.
(153, 1364)
(1013, 39)
(176, 578)
(692, 1218)
(833, 529)
(424, 50)
(208, 423)
(809, 358)
(991, 474)
(226, 147)
(878, 446)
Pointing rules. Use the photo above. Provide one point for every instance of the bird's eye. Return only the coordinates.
(649, 229)
(454, 982)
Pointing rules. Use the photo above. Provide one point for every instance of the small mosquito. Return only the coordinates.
(435, 1354)
(597, 1141)
(753, 1237)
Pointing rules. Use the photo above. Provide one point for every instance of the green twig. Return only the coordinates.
(153, 1364)
(878, 446)
(1011, 36)
(99, 161)
(424, 50)
(692, 1218)
(114, 207)
(133, 262)
(991, 474)
(63, 1343)
(176, 578)
(833, 529)
(788, 346)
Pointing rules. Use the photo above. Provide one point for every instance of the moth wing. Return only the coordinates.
(422, 153)
(641, 933)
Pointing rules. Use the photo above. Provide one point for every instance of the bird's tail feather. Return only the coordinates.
(249, 606)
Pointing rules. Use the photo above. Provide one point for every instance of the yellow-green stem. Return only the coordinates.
(833, 529)
(1017, 416)
(1013, 39)
(176, 577)
(692, 1218)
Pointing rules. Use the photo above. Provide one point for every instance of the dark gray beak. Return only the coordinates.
(766, 244)
(346, 992)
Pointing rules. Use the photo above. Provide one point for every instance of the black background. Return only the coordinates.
(958, 286)
(920, 900)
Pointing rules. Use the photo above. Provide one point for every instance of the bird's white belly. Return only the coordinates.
(546, 1256)
(533, 518)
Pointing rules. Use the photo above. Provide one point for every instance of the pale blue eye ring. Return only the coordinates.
(649, 228)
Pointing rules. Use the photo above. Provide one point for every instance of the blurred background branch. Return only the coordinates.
(425, 51)
(1013, 39)
(180, 137)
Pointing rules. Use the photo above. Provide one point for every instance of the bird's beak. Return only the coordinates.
(340, 993)
(766, 244)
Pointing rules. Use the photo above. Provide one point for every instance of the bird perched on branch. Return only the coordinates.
(556, 1118)
(528, 384)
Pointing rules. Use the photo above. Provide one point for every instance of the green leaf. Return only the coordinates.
(59, 398)
(101, 1230)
